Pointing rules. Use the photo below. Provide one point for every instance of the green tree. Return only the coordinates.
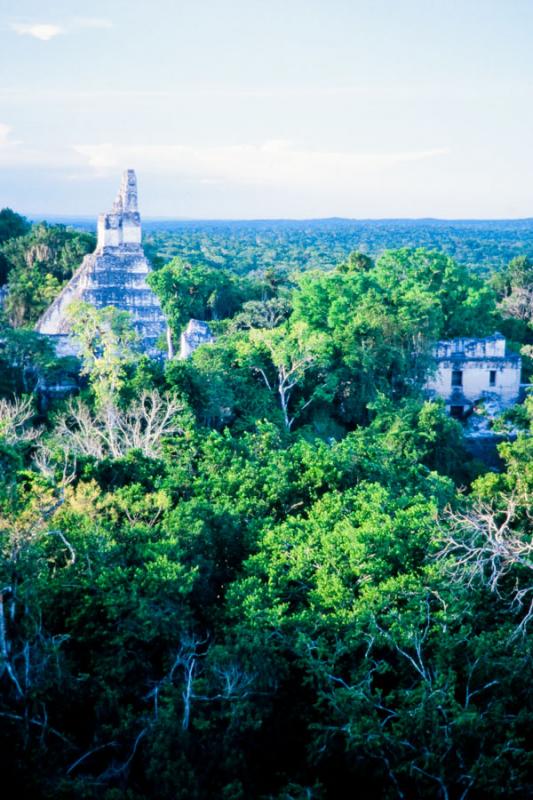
(108, 343)
(514, 286)
(284, 357)
(25, 357)
(39, 264)
(382, 320)
(11, 226)
(196, 292)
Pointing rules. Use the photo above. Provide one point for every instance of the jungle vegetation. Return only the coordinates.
(271, 570)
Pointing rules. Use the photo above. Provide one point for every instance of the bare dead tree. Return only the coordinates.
(60, 473)
(518, 304)
(148, 421)
(14, 417)
(78, 431)
(482, 545)
(236, 682)
(113, 432)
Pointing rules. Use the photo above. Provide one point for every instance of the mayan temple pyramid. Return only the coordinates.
(114, 275)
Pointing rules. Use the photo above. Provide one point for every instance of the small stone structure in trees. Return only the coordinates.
(473, 370)
(196, 333)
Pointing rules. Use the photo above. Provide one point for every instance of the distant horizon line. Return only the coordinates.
(41, 217)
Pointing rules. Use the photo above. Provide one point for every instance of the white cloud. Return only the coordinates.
(43, 31)
(274, 163)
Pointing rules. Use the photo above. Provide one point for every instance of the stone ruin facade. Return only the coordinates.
(473, 370)
(196, 333)
(114, 275)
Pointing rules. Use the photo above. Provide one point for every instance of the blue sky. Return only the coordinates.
(247, 109)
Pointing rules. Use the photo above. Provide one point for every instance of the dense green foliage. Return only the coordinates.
(271, 570)
(11, 226)
(199, 292)
(36, 265)
(244, 246)
(321, 244)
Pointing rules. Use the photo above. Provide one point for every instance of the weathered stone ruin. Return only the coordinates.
(196, 333)
(470, 371)
(114, 275)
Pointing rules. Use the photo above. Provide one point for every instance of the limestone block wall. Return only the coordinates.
(131, 230)
(109, 231)
(476, 379)
(489, 347)
(122, 225)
